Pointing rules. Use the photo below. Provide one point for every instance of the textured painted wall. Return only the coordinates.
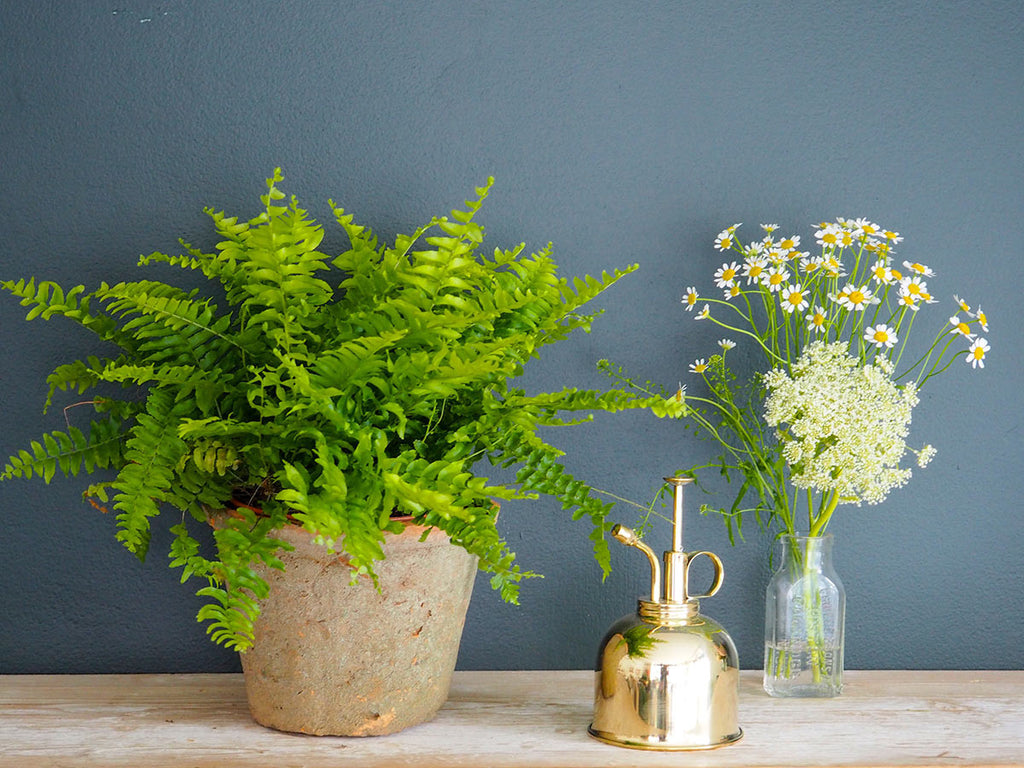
(622, 132)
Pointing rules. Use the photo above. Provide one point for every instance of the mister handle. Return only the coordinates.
(716, 562)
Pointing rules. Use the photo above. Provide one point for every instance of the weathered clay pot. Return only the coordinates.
(330, 658)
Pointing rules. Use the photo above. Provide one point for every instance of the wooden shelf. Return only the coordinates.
(498, 719)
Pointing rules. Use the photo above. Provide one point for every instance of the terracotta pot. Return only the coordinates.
(331, 658)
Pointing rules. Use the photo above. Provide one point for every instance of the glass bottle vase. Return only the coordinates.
(805, 609)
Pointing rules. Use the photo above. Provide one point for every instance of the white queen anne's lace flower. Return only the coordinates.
(842, 424)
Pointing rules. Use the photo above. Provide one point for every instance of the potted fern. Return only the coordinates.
(333, 407)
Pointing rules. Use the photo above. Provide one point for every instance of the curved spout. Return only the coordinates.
(628, 537)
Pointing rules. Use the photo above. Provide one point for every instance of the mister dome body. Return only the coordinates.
(666, 676)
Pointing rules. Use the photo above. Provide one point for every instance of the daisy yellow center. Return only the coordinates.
(829, 238)
(881, 336)
(728, 274)
(856, 297)
(818, 319)
(979, 353)
(726, 243)
(756, 270)
(913, 288)
(963, 328)
(775, 279)
(918, 268)
(788, 244)
(795, 298)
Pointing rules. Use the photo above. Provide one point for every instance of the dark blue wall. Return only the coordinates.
(622, 132)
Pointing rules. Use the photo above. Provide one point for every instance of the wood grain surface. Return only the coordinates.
(499, 719)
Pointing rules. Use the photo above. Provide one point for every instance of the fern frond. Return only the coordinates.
(184, 554)
(172, 327)
(48, 299)
(588, 288)
(79, 376)
(540, 471)
(68, 452)
(152, 453)
(234, 595)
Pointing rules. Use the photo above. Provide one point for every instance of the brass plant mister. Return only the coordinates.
(667, 676)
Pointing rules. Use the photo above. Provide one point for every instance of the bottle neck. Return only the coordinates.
(664, 612)
(808, 552)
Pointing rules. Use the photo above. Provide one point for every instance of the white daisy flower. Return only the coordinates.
(753, 249)
(724, 241)
(915, 286)
(963, 304)
(909, 300)
(754, 269)
(816, 320)
(727, 274)
(704, 314)
(976, 354)
(699, 366)
(790, 243)
(726, 344)
(832, 266)
(690, 298)
(775, 278)
(865, 227)
(793, 298)
(855, 299)
(810, 263)
(732, 291)
(883, 273)
(960, 327)
(828, 235)
(920, 269)
(982, 318)
(881, 336)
